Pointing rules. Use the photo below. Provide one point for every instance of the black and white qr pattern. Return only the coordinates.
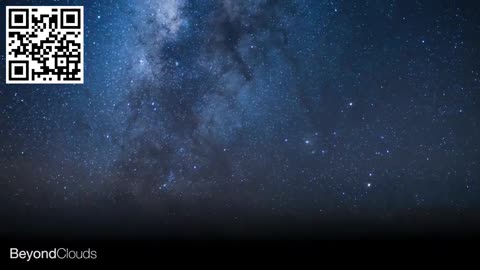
(44, 44)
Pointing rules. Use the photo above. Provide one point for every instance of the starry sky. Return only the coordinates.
(223, 109)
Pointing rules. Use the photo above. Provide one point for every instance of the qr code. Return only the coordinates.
(44, 44)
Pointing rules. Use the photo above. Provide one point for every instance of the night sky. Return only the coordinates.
(224, 109)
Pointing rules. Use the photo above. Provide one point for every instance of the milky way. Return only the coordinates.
(283, 108)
